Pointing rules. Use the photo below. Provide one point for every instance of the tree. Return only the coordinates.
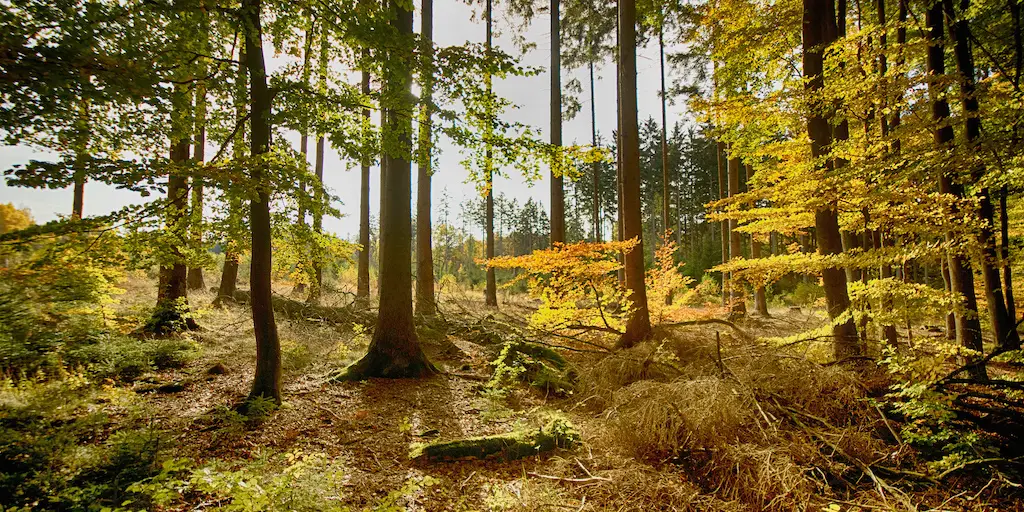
(171, 313)
(491, 290)
(394, 350)
(557, 186)
(425, 302)
(363, 271)
(195, 274)
(267, 381)
(961, 277)
(638, 326)
(819, 30)
(737, 295)
(1003, 326)
(316, 290)
(233, 244)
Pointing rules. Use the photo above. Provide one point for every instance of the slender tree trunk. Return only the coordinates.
(723, 192)
(961, 278)
(267, 381)
(595, 167)
(665, 190)
(737, 298)
(491, 291)
(307, 55)
(229, 272)
(819, 31)
(1003, 328)
(394, 350)
(316, 290)
(1004, 256)
(425, 303)
(172, 313)
(363, 271)
(195, 275)
(619, 234)
(557, 186)
(760, 298)
(638, 326)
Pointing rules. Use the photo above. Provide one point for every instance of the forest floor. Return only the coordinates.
(777, 433)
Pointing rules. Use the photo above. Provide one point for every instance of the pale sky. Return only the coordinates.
(453, 25)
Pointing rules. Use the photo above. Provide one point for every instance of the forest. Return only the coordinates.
(788, 286)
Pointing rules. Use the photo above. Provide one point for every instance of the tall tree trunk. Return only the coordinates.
(819, 31)
(665, 190)
(267, 381)
(363, 271)
(621, 274)
(638, 326)
(961, 278)
(1003, 328)
(947, 287)
(229, 272)
(307, 55)
(889, 333)
(557, 186)
(171, 313)
(316, 290)
(595, 167)
(491, 291)
(723, 192)
(394, 350)
(737, 298)
(195, 275)
(425, 304)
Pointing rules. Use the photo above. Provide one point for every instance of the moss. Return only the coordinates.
(542, 367)
(558, 433)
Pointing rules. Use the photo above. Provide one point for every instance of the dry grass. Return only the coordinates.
(654, 419)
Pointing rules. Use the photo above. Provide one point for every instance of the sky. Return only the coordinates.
(454, 24)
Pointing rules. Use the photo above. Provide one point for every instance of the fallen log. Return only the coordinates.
(558, 433)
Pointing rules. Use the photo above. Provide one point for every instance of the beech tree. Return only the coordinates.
(394, 350)
(267, 381)
(425, 302)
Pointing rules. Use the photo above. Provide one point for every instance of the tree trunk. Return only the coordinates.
(229, 272)
(737, 298)
(300, 287)
(1003, 329)
(171, 313)
(363, 271)
(947, 287)
(961, 278)
(195, 275)
(638, 326)
(723, 192)
(665, 190)
(316, 290)
(81, 154)
(1004, 256)
(819, 31)
(557, 187)
(595, 167)
(491, 291)
(425, 302)
(267, 381)
(394, 350)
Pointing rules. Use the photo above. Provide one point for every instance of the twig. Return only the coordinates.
(975, 462)
(572, 480)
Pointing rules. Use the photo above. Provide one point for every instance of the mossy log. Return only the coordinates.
(542, 367)
(558, 433)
